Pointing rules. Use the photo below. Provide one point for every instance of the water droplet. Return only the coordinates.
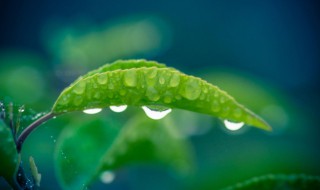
(152, 94)
(110, 95)
(118, 108)
(162, 80)
(191, 89)
(92, 111)
(21, 109)
(122, 92)
(54, 140)
(97, 95)
(175, 80)
(111, 86)
(215, 107)
(64, 100)
(77, 100)
(167, 99)
(225, 110)
(84, 186)
(202, 96)
(80, 87)
(222, 99)
(152, 74)
(107, 177)
(102, 79)
(237, 112)
(233, 126)
(130, 78)
(155, 114)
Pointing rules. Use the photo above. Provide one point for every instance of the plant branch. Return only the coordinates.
(25, 133)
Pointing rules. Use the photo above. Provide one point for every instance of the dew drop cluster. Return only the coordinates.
(151, 111)
(147, 83)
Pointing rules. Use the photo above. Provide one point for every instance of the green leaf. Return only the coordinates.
(144, 140)
(8, 155)
(279, 182)
(147, 83)
(79, 149)
(84, 151)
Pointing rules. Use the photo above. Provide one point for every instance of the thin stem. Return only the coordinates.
(25, 133)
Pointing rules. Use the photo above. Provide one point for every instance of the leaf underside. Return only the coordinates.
(143, 83)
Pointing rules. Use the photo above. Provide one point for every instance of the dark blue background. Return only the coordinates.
(276, 41)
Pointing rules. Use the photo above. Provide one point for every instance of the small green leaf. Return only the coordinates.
(79, 150)
(279, 182)
(8, 155)
(144, 140)
(147, 83)
(34, 171)
(86, 150)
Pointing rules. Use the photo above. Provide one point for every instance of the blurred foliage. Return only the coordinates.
(88, 45)
(26, 79)
(79, 150)
(8, 154)
(279, 182)
(86, 150)
(44, 46)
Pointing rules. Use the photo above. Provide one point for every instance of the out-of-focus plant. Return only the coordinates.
(88, 45)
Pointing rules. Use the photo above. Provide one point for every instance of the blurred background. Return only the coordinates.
(264, 53)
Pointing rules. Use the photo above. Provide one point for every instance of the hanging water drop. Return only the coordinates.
(152, 94)
(64, 100)
(79, 88)
(162, 80)
(107, 177)
(191, 89)
(175, 80)
(102, 79)
(118, 108)
(92, 111)
(130, 78)
(54, 140)
(155, 114)
(21, 109)
(77, 100)
(233, 126)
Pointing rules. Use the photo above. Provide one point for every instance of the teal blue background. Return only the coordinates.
(274, 45)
